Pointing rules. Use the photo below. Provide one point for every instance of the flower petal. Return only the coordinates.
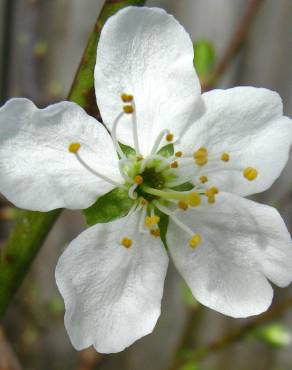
(243, 244)
(112, 294)
(36, 169)
(247, 123)
(147, 53)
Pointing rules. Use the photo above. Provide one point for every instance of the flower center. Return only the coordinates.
(157, 184)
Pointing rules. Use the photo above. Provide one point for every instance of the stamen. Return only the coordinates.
(210, 193)
(128, 109)
(193, 199)
(178, 154)
(143, 202)
(250, 173)
(74, 147)
(225, 157)
(125, 176)
(158, 141)
(182, 205)
(174, 164)
(155, 232)
(151, 221)
(95, 173)
(114, 136)
(169, 137)
(127, 98)
(195, 241)
(135, 130)
(203, 179)
(126, 242)
(141, 221)
(201, 156)
(138, 180)
(131, 191)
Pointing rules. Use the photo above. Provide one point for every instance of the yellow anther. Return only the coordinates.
(182, 205)
(214, 190)
(126, 98)
(151, 221)
(225, 157)
(201, 151)
(201, 156)
(143, 202)
(193, 199)
(203, 179)
(155, 232)
(126, 242)
(210, 193)
(169, 137)
(174, 164)
(201, 161)
(139, 158)
(195, 241)
(211, 199)
(178, 154)
(74, 147)
(250, 173)
(128, 109)
(138, 179)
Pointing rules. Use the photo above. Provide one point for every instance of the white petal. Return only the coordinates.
(112, 294)
(243, 244)
(147, 53)
(36, 169)
(247, 123)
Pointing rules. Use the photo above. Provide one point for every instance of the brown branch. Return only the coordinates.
(8, 360)
(234, 336)
(234, 46)
(89, 359)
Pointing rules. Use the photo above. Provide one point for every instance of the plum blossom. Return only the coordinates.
(227, 144)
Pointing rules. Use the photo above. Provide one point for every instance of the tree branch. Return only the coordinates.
(234, 46)
(32, 228)
(234, 336)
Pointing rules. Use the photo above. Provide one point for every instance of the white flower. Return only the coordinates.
(228, 144)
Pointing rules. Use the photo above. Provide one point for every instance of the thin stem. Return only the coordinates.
(114, 136)
(135, 130)
(158, 141)
(95, 173)
(230, 338)
(234, 45)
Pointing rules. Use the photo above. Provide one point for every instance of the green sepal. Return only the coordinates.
(127, 150)
(166, 151)
(109, 207)
(205, 57)
(163, 225)
(184, 187)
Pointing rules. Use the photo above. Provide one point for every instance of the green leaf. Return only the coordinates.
(274, 334)
(166, 151)
(188, 296)
(204, 57)
(189, 366)
(127, 150)
(109, 207)
(163, 225)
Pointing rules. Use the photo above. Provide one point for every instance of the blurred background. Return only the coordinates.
(41, 43)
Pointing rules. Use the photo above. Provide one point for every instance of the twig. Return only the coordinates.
(234, 336)
(8, 360)
(89, 359)
(234, 45)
